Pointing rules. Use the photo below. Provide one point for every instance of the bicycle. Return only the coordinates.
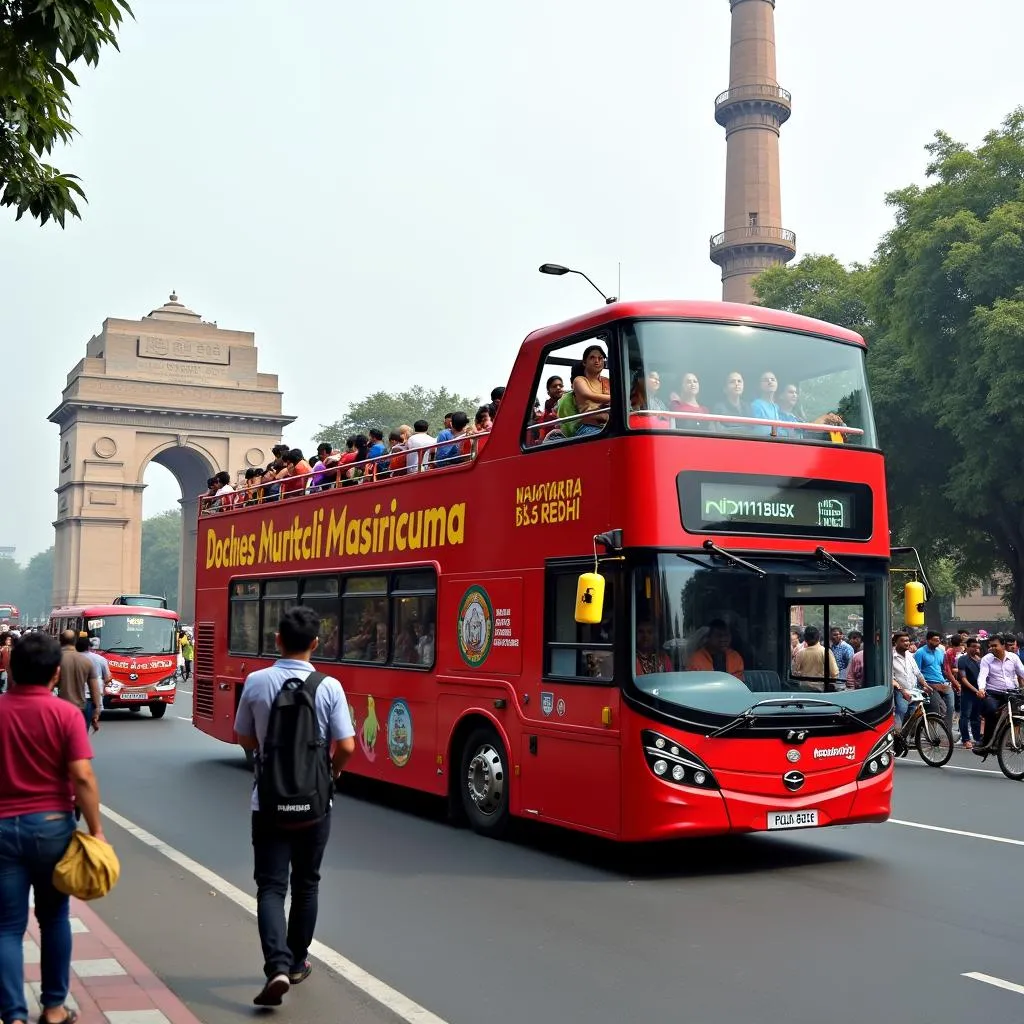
(1008, 739)
(927, 731)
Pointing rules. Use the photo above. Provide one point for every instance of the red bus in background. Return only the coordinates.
(593, 629)
(9, 616)
(141, 645)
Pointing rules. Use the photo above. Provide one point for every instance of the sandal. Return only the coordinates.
(70, 1016)
(968, 745)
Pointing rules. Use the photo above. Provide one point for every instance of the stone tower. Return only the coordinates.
(752, 110)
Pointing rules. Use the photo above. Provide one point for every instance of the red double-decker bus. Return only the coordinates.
(141, 645)
(10, 616)
(592, 627)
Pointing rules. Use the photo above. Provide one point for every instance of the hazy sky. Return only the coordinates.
(370, 187)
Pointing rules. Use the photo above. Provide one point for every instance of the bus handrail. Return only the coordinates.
(210, 503)
(825, 428)
(704, 416)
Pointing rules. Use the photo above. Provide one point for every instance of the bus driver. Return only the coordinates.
(717, 654)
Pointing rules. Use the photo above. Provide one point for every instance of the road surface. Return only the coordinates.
(873, 922)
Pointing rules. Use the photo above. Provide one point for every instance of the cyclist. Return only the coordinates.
(998, 676)
(906, 676)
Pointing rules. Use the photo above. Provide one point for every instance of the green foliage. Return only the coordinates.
(161, 555)
(942, 307)
(29, 587)
(39, 41)
(389, 411)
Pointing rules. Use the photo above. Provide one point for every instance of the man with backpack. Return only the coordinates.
(297, 723)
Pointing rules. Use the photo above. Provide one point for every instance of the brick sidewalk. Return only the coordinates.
(108, 981)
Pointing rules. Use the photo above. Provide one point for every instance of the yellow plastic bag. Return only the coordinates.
(89, 868)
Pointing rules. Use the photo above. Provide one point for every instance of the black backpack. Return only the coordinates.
(294, 779)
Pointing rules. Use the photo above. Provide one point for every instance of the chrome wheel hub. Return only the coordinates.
(485, 779)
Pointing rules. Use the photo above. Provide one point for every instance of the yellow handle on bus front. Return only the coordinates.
(590, 598)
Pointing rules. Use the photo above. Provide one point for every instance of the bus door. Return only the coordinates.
(570, 756)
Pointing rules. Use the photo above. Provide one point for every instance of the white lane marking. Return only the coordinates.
(184, 718)
(998, 982)
(957, 832)
(181, 689)
(400, 1005)
(955, 767)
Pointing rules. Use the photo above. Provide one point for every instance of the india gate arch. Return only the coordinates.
(168, 388)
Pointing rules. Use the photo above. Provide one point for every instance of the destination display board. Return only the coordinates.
(780, 506)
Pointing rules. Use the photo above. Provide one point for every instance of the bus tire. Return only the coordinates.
(484, 782)
(135, 709)
(158, 710)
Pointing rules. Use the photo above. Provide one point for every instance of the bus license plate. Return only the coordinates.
(792, 819)
(134, 695)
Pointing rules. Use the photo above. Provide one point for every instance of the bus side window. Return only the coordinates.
(244, 617)
(578, 650)
(278, 597)
(552, 400)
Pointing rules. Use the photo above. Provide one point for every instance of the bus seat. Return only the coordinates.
(762, 680)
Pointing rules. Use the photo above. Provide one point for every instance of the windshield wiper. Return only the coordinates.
(119, 649)
(713, 548)
(750, 714)
(831, 559)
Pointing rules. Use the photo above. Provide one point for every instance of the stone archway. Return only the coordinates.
(168, 388)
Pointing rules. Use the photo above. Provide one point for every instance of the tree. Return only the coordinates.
(942, 307)
(39, 41)
(389, 411)
(951, 298)
(161, 555)
(37, 585)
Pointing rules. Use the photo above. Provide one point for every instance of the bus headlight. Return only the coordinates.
(672, 762)
(167, 684)
(879, 761)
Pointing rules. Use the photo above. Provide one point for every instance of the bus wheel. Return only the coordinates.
(158, 710)
(484, 784)
(134, 709)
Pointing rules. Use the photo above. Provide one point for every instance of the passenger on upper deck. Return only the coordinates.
(639, 406)
(732, 404)
(497, 394)
(686, 401)
(592, 391)
(765, 407)
(481, 427)
(653, 390)
(295, 474)
(418, 441)
(717, 654)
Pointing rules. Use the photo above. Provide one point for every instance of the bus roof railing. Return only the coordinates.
(749, 421)
(210, 503)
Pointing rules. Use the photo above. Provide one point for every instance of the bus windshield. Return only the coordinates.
(134, 634)
(705, 377)
(716, 636)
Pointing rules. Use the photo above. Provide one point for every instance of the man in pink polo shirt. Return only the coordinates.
(45, 767)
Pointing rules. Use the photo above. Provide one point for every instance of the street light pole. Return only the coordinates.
(557, 270)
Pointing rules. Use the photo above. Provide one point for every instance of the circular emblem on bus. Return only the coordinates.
(792, 756)
(476, 626)
(793, 781)
(399, 733)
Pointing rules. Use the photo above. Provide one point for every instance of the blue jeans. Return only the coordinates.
(942, 700)
(30, 847)
(588, 430)
(970, 716)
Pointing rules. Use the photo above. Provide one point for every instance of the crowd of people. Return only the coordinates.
(371, 456)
